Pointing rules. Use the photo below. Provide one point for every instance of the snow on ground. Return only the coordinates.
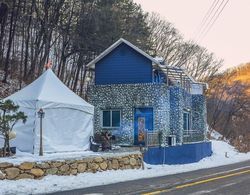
(27, 157)
(10, 87)
(57, 183)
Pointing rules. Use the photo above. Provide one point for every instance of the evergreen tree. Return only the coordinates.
(9, 116)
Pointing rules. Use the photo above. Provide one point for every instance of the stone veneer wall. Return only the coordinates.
(199, 115)
(36, 170)
(168, 104)
(181, 100)
(127, 97)
(176, 107)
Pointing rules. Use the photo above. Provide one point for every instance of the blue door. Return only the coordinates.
(143, 121)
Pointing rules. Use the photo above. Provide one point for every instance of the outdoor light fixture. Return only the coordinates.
(41, 114)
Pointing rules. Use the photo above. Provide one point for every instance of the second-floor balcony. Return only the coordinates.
(176, 76)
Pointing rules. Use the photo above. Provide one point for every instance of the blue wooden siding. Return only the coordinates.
(123, 65)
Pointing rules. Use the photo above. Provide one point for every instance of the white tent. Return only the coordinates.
(68, 120)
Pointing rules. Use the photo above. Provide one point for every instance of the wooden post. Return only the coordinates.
(184, 83)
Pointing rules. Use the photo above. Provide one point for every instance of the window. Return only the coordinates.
(111, 118)
(158, 77)
(186, 120)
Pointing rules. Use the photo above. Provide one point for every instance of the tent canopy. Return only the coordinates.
(49, 89)
(68, 120)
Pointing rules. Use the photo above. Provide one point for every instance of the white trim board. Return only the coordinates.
(112, 47)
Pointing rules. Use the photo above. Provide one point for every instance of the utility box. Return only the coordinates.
(171, 140)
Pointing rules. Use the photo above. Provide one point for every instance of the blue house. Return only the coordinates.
(141, 100)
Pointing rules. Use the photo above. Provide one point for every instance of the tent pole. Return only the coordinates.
(41, 137)
(41, 116)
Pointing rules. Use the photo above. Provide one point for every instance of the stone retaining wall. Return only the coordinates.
(36, 170)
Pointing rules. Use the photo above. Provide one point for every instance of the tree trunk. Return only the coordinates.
(3, 18)
(27, 43)
(79, 64)
(7, 60)
(4, 147)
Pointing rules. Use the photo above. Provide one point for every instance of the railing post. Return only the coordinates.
(167, 78)
(181, 80)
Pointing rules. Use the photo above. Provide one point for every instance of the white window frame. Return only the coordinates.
(110, 110)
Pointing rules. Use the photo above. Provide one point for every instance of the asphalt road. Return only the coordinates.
(230, 180)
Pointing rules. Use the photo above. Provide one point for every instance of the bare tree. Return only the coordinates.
(228, 104)
(169, 44)
(69, 32)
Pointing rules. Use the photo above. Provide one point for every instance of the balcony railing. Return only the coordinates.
(192, 136)
(152, 139)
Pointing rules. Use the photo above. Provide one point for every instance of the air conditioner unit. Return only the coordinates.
(171, 140)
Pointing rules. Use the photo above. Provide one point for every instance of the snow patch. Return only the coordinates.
(21, 157)
(59, 183)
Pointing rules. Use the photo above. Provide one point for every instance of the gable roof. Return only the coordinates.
(173, 72)
(91, 64)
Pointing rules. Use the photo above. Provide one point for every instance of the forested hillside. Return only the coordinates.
(229, 105)
(242, 74)
(72, 32)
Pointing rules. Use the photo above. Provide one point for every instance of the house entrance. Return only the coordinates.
(143, 121)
